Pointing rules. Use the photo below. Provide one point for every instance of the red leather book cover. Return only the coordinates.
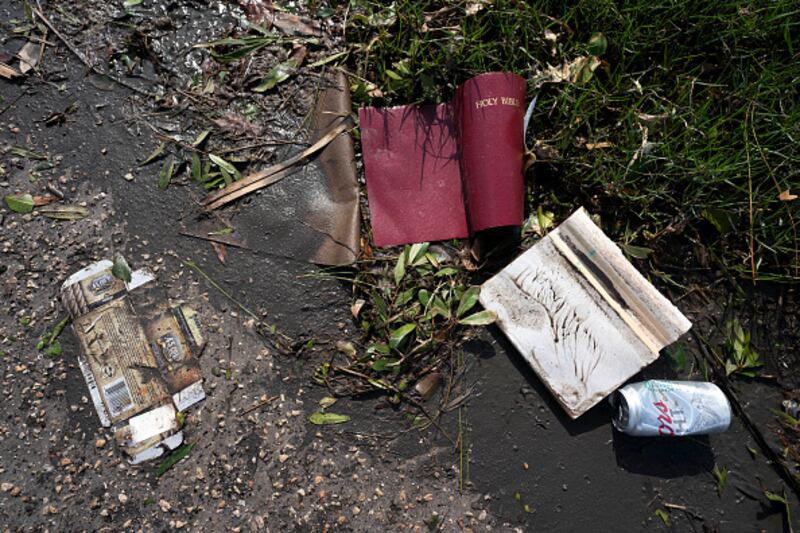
(445, 171)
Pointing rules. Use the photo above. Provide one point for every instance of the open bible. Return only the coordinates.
(437, 172)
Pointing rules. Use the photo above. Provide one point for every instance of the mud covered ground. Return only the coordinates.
(528, 466)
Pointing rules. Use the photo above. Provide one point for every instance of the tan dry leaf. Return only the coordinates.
(28, 57)
(293, 25)
(8, 72)
(600, 145)
(44, 200)
(355, 309)
(474, 7)
(579, 70)
(236, 124)
(373, 90)
(787, 196)
(220, 250)
(256, 11)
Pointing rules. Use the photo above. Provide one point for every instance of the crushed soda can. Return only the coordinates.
(670, 408)
(137, 355)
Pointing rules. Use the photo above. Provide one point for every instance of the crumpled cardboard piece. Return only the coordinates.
(138, 357)
(307, 206)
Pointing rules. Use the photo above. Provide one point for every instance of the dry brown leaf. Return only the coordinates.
(579, 70)
(220, 250)
(599, 146)
(373, 90)
(293, 25)
(787, 196)
(474, 7)
(8, 71)
(236, 124)
(256, 11)
(44, 200)
(28, 57)
(355, 309)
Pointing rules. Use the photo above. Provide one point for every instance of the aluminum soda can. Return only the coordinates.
(670, 408)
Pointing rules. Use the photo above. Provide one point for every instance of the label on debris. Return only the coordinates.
(140, 370)
(116, 350)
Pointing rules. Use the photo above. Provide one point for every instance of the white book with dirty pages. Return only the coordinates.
(580, 314)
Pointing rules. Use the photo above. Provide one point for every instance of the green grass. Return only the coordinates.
(714, 84)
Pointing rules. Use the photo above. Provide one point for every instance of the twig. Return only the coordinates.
(83, 59)
(194, 266)
(259, 405)
(750, 199)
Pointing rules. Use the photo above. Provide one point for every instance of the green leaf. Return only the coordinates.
(424, 296)
(468, 300)
(721, 475)
(664, 516)
(220, 232)
(677, 358)
(774, 497)
(197, 170)
(278, 74)
(200, 138)
(226, 176)
(327, 401)
(165, 175)
(321, 419)
(416, 254)
(481, 318)
(597, 44)
(329, 59)
(64, 212)
(638, 252)
(447, 271)
(544, 219)
(400, 267)
(383, 364)
(720, 218)
(405, 297)
(398, 335)
(20, 203)
(380, 347)
(158, 152)
(53, 349)
(21, 151)
(121, 269)
(173, 459)
(438, 307)
(131, 3)
(225, 166)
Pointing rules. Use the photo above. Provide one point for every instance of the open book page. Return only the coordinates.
(431, 178)
(413, 174)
